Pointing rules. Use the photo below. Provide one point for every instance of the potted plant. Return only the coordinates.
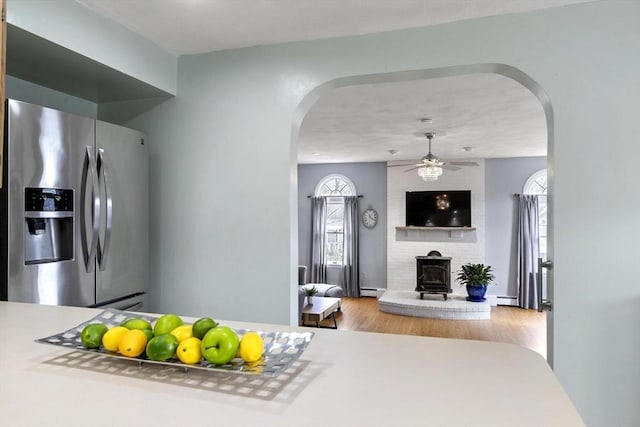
(310, 292)
(476, 277)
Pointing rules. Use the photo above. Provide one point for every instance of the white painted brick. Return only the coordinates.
(401, 263)
(408, 303)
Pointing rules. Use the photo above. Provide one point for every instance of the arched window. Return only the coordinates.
(334, 187)
(537, 184)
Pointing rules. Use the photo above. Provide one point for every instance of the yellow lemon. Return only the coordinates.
(133, 343)
(189, 351)
(183, 332)
(111, 339)
(251, 347)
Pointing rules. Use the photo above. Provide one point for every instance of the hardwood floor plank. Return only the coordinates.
(514, 325)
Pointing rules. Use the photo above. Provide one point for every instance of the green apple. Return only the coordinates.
(220, 345)
(166, 323)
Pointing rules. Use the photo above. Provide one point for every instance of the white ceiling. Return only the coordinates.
(493, 115)
(198, 26)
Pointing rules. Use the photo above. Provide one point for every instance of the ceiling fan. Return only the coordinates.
(430, 166)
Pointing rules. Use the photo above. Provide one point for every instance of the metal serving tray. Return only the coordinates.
(282, 349)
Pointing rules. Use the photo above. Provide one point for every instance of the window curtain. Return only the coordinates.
(351, 251)
(318, 258)
(528, 252)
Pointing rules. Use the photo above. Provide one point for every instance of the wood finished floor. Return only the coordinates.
(514, 325)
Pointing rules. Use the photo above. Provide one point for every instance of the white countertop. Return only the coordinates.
(345, 379)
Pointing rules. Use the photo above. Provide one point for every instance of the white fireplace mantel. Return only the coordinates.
(416, 232)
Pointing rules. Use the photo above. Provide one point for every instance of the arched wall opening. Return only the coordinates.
(402, 76)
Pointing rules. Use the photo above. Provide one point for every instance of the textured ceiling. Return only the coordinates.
(492, 114)
(197, 26)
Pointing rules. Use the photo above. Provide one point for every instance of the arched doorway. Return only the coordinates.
(499, 69)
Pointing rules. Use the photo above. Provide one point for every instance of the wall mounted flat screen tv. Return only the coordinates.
(438, 208)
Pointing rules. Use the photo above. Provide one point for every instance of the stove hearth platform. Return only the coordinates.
(456, 307)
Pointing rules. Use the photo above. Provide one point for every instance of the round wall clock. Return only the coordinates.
(370, 218)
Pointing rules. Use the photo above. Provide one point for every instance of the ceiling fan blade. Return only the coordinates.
(463, 163)
(450, 168)
(404, 164)
(414, 168)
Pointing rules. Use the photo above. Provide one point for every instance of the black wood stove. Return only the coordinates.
(433, 274)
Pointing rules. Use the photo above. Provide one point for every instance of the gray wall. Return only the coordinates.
(504, 178)
(370, 180)
(35, 94)
(75, 27)
(113, 112)
(223, 174)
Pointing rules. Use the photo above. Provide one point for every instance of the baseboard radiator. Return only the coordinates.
(506, 300)
(371, 292)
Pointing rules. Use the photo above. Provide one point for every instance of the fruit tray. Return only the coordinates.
(281, 349)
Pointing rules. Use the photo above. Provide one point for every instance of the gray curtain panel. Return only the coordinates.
(351, 254)
(528, 252)
(318, 259)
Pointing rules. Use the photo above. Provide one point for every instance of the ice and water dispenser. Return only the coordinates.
(48, 225)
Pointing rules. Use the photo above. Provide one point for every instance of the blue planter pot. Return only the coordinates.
(476, 293)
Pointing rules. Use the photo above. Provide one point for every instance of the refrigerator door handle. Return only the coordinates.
(103, 250)
(89, 248)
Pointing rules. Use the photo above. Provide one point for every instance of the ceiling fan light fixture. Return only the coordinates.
(430, 173)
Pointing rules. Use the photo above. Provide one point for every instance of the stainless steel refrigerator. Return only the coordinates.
(74, 217)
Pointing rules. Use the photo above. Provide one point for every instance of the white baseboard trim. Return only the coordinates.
(507, 300)
(371, 292)
(492, 299)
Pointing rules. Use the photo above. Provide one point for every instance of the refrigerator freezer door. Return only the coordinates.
(135, 303)
(45, 153)
(122, 263)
